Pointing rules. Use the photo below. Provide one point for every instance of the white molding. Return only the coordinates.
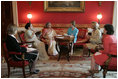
(114, 21)
(15, 12)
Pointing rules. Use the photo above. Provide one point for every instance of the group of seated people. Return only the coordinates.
(47, 45)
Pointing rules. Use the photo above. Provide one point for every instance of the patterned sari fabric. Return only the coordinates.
(48, 35)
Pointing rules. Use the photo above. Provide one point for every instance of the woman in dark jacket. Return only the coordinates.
(13, 45)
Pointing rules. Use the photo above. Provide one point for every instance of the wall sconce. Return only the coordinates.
(29, 16)
(99, 16)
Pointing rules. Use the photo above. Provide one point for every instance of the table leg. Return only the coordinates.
(71, 48)
(68, 56)
(57, 47)
(59, 56)
(59, 51)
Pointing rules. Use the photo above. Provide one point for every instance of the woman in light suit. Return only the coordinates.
(95, 39)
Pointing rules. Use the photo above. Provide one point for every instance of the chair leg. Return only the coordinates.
(30, 68)
(68, 56)
(104, 73)
(59, 56)
(23, 68)
(8, 71)
(89, 52)
(92, 74)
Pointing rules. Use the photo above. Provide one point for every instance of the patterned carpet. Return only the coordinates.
(77, 68)
(64, 69)
(54, 68)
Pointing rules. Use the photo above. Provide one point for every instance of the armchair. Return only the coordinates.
(82, 37)
(22, 38)
(111, 63)
(11, 63)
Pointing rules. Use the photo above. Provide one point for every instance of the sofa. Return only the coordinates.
(81, 37)
(62, 28)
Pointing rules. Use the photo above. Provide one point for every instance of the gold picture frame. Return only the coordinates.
(64, 6)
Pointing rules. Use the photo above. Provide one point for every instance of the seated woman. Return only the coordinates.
(48, 37)
(13, 45)
(101, 56)
(95, 39)
(73, 31)
(30, 36)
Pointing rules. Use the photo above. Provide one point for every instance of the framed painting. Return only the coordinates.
(64, 6)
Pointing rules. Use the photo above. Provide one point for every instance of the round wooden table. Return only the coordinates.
(66, 41)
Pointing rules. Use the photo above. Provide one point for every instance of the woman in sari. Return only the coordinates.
(48, 38)
(30, 36)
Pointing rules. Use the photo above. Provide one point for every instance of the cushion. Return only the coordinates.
(92, 51)
(16, 53)
(113, 64)
(18, 63)
(82, 33)
(80, 40)
(22, 37)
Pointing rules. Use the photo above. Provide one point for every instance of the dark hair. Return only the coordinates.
(46, 25)
(109, 28)
(27, 25)
(73, 23)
